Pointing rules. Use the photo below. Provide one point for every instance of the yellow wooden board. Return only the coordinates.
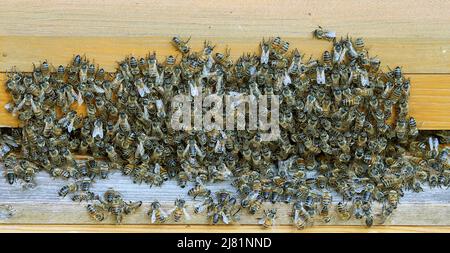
(411, 35)
(44, 228)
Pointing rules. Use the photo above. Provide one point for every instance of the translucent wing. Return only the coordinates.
(265, 56)
(162, 213)
(146, 116)
(210, 62)
(79, 98)
(261, 221)
(430, 142)
(172, 210)
(364, 79)
(98, 89)
(218, 148)
(160, 78)
(193, 89)
(70, 127)
(205, 71)
(139, 150)
(186, 214)
(98, 131)
(436, 144)
(19, 106)
(320, 76)
(153, 218)
(141, 92)
(225, 218)
(287, 79)
(330, 34)
(296, 216)
(342, 54)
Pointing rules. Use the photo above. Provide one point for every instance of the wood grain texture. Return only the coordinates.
(406, 33)
(46, 228)
(234, 18)
(429, 102)
(42, 205)
(414, 55)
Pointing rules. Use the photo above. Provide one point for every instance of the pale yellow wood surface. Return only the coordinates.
(232, 18)
(45, 228)
(414, 55)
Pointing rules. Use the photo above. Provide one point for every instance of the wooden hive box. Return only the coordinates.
(413, 36)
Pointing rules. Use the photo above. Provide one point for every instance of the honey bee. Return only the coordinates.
(343, 211)
(301, 217)
(95, 211)
(321, 33)
(268, 220)
(326, 199)
(66, 189)
(156, 213)
(224, 59)
(179, 211)
(199, 190)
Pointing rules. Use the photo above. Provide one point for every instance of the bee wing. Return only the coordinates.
(193, 89)
(172, 210)
(153, 216)
(320, 76)
(225, 218)
(186, 214)
(287, 79)
(430, 142)
(141, 92)
(296, 216)
(163, 213)
(330, 34)
(139, 150)
(98, 89)
(218, 148)
(265, 56)
(98, 131)
(436, 144)
(70, 127)
(146, 116)
(261, 221)
(79, 98)
(364, 79)
(342, 54)
(20, 105)
(200, 208)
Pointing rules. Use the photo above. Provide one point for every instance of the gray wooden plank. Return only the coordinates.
(42, 205)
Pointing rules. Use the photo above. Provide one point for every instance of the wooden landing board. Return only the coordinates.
(42, 205)
(45, 228)
(414, 55)
(405, 33)
(429, 102)
(383, 18)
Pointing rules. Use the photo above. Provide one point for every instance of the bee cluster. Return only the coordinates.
(113, 204)
(344, 124)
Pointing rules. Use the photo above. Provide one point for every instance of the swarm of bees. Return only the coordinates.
(112, 203)
(346, 134)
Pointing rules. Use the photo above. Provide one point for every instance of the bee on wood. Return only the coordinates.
(156, 213)
(95, 211)
(324, 34)
(179, 211)
(181, 45)
(268, 220)
(66, 189)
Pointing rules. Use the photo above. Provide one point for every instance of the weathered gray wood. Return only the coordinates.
(42, 205)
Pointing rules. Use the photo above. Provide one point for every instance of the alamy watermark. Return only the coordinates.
(227, 112)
